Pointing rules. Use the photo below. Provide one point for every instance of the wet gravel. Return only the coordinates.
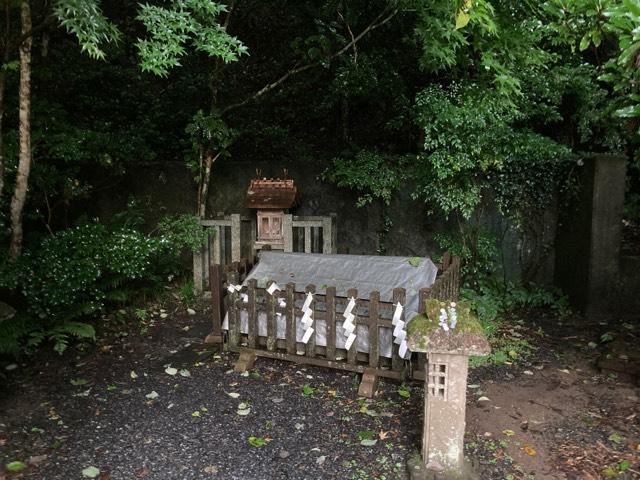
(192, 430)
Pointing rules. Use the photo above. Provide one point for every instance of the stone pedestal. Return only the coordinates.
(448, 334)
(444, 412)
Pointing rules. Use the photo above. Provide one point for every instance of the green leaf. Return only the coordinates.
(415, 261)
(585, 41)
(16, 466)
(91, 472)
(257, 441)
(365, 435)
(404, 391)
(78, 382)
(307, 390)
(462, 19)
(616, 438)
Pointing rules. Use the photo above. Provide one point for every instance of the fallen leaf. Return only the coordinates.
(195, 414)
(368, 442)
(484, 399)
(16, 466)
(616, 438)
(529, 450)
(211, 470)
(233, 394)
(91, 472)
(383, 435)
(185, 373)
(152, 396)
(133, 374)
(142, 472)
(171, 371)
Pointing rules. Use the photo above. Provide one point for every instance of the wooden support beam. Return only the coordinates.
(245, 362)
(369, 383)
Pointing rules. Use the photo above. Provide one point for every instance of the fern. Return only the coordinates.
(12, 332)
(79, 330)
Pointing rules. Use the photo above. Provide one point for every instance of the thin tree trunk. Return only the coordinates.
(3, 84)
(209, 159)
(24, 161)
(3, 88)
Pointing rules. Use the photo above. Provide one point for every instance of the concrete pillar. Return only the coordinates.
(589, 236)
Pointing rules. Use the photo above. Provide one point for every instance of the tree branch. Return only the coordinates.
(376, 23)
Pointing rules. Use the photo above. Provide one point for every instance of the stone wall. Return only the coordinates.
(167, 187)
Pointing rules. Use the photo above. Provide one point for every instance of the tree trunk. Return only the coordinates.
(203, 189)
(3, 83)
(3, 88)
(24, 161)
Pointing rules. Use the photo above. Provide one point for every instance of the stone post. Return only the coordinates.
(448, 334)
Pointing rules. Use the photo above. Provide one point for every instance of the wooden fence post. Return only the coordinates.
(215, 284)
(234, 314)
(287, 230)
(374, 352)
(271, 319)
(235, 238)
(252, 315)
(352, 353)
(330, 318)
(311, 344)
(291, 318)
(397, 363)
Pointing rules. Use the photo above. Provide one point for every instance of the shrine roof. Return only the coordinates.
(271, 193)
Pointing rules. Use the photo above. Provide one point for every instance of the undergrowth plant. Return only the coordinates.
(496, 305)
(71, 277)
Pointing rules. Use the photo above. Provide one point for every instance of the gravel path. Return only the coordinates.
(193, 428)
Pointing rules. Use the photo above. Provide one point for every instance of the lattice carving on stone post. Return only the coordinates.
(437, 381)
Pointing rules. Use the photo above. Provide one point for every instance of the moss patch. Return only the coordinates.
(424, 331)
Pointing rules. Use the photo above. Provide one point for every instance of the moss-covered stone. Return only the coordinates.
(424, 333)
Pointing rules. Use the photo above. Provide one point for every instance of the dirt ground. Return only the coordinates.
(119, 408)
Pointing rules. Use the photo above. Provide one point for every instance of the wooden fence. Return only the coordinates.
(232, 237)
(372, 313)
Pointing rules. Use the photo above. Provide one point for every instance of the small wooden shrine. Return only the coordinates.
(271, 197)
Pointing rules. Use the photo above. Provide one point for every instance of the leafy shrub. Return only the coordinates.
(493, 302)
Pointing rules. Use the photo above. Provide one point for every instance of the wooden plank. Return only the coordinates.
(215, 246)
(315, 239)
(446, 260)
(245, 362)
(215, 223)
(369, 383)
(235, 238)
(374, 353)
(287, 229)
(311, 344)
(271, 319)
(234, 314)
(352, 353)
(423, 295)
(334, 232)
(290, 310)
(397, 363)
(330, 320)
(326, 235)
(198, 271)
(322, 362)
(252, 313)
(215, 284)
(307, 239)
(223, 245)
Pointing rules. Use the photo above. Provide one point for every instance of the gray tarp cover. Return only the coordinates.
(365, 273)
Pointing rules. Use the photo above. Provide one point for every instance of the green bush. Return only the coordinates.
(73, 276)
